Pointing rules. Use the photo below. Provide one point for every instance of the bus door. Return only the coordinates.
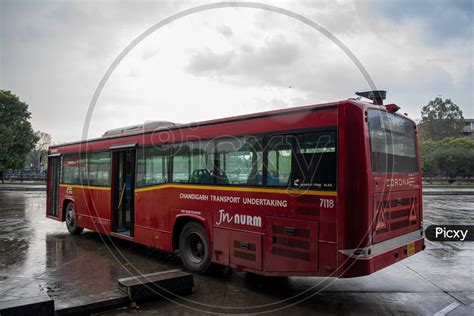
(54, 164)
(123, 187)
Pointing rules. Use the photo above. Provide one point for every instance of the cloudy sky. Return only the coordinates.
(227, 61)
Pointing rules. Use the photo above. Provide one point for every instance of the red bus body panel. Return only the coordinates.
(320, 236)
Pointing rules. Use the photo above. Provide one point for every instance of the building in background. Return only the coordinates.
(468, 129)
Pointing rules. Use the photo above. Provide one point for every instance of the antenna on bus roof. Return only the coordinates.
(377, 96)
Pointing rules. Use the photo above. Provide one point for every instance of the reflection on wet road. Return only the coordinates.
(38, 256)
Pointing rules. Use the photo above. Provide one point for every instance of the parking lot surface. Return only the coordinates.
(39, 257)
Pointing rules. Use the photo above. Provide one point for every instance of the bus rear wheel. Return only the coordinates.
(194, 248)
(71, 222)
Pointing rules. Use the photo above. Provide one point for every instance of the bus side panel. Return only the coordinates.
(291, 245)
(152, 209)
(153, 237)
(99, 209)
(156, 213)
(81, 204)
(152, 219)
(221, 248)
(92, 206)
(245, 249)
(356, 216)
(327, 258)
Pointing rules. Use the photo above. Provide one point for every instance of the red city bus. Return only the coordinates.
(321, 190)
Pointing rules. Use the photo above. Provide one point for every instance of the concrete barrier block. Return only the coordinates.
(156, 284)
(86, 305)
(39, 305)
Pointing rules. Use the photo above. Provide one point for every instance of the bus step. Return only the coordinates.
(146, 286)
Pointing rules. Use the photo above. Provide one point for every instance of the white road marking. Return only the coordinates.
(447, 309)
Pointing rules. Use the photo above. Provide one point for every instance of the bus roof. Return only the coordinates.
(227, 120)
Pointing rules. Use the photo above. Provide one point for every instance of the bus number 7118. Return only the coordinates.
(326, 203)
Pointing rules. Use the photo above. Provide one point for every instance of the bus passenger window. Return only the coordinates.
(202, 162)
(83, 167)
(99, 169)
(181, 166)
(240, 161)
(71, 169)
(193, 162)
(152, 166)
(306, 161)
(314, 161)
(279, 161)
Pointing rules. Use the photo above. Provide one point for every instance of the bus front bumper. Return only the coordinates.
(364, 261)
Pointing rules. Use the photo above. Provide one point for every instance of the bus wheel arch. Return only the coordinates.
(179, 224)
(63, 212)
(69, 215)
(191, 237)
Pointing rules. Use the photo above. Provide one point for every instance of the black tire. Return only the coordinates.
(194, 248)
(71, 222)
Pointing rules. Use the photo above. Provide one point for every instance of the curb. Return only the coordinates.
(21, 188)
(131, 289)
(448, 193)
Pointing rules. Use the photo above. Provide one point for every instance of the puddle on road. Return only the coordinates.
(40, 257)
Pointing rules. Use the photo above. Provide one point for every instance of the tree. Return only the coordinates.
(17, 138)
(39, 153)
(427, 164)
(451, 157)
(453, 162)
(441, 119)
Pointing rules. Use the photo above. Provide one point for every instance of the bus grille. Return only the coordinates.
(395, 216)
(307, 205)
(245, 250)
(291, 242)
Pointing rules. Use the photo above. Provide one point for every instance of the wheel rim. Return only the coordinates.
(195, 248)
(70, 216)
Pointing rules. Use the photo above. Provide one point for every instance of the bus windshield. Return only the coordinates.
(392, 143)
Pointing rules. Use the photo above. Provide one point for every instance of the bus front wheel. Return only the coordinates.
(194, 248)
(71, 222)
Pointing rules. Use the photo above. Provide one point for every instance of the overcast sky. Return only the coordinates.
(227, 61)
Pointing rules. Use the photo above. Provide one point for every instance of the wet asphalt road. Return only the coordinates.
(38, 256)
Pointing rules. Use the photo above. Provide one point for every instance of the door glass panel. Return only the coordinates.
(124, 175)
(53, 186)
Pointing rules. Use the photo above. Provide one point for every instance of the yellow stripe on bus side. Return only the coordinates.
(83, 187)
(210, 187)
(219, 188)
